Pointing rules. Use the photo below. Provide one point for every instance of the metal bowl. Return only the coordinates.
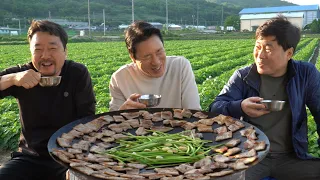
(273, 105)
(48, 81)
(150, 100)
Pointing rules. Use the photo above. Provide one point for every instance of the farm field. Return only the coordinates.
(213, 62)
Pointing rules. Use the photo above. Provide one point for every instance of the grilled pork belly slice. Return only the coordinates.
(64, 142)
(133, 171)
(248, 159)
(120, 136)
(146, 123)
(188, 126)
(96, 124)
(82, 128)
(61, 155)
(177, 123)
(116, 128)
(132, 176)
(246, 154)
(167, 171)
(67, 136)
(77, 162)
(184, 168)
(130, 115)
(146, 114)
(220, 173)
(238, 165)
(186, 113)
(96, 135)
(141, 131)
(249, 132)
(204, 128)
(161, 128)
(84, 169)
(107, 132)
(220, 149)
(74, 151)
(105, 145)
(203, 162)
(89, 138)
(207, 122)
(156, 117)
(200, 115)
(232, 151)
(136, 165)
(220, 130)
(107, 118)
(177, 113)
(134, 123)
(221, 158)
(166, 115)
(233, 142)
(97, 149)
(84, 145)
(226, 135)
(95, 166)
(110, 172)
(107, 139)
(118, 118)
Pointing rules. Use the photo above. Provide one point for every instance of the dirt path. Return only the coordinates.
(4, 156)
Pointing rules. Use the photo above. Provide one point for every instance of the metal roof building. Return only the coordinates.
(251, 18)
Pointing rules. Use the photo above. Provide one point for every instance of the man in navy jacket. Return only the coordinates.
(276, 76)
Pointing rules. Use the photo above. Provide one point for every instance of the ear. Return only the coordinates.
(132, 57)
(289, 53)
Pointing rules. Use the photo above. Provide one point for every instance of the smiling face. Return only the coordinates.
(150, 57)
(270, 58)
(48, 54)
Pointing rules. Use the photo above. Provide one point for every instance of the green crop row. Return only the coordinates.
(214, 61)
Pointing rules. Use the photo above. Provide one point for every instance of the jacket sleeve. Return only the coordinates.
(190, 95)
(228, 102)
(313, 97)
(85, 101)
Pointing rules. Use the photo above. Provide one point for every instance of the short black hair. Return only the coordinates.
(287, 34)
(50, 27)
(137, 32)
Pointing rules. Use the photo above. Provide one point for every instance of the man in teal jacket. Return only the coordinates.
(276, 76)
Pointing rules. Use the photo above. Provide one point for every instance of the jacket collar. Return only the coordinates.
(253, 77)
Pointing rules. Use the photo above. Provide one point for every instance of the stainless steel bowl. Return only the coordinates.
(48, 81)
(150, 100)
(273, 105)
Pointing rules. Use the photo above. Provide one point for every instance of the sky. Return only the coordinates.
(305, 2)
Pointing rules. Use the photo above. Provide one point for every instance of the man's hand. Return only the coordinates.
(132, 103)
(27, 79)
(253, 108)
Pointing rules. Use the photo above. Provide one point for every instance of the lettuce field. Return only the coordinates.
(213, 62)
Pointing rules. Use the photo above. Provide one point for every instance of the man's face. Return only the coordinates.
(270, 57)
(48, 54)
(150, 57)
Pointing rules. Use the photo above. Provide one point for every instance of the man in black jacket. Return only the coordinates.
(43, 110)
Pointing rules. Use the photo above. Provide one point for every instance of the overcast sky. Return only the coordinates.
(305, 2)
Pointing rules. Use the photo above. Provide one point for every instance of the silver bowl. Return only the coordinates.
(150, 100)
(273, 105)
(48, 81)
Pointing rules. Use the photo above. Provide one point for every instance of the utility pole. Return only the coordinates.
(104, 23)
(197, 14)
(222, 17)
(132, 11)
(167, 15)
(89, 18)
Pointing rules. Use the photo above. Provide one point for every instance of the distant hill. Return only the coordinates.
(119, 11)
(251, 3)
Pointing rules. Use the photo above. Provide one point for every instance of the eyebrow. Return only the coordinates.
(50, 43)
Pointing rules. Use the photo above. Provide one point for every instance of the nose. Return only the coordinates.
(45, 54)
(261, 53)
(155, 60)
